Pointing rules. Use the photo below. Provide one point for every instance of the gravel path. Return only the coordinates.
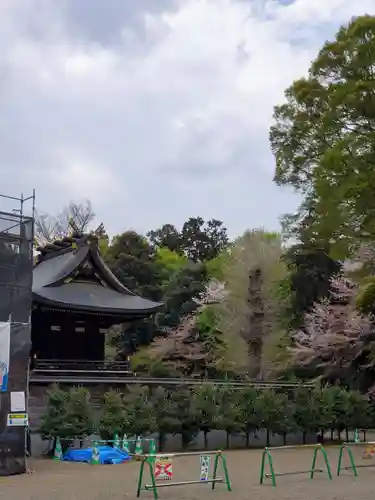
(66, 481)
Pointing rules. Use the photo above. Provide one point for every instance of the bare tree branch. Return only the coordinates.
(81, 214)
(76, 217)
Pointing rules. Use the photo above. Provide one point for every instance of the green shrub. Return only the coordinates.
(184, 411)
(53, 422)
(113, 420)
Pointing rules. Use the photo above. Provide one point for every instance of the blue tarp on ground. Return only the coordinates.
(107, 455)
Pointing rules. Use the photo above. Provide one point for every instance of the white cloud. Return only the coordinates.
(76, 173)
(167, 111)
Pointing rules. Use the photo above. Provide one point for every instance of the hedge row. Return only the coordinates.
(185, 412)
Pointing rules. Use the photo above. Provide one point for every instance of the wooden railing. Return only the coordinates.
(114, 372)
(80, 367)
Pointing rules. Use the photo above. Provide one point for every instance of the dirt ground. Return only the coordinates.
(67, 481)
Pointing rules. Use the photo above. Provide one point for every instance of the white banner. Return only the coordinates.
(205, 467)
(4, 355)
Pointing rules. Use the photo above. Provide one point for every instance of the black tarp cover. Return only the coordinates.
(15, 304)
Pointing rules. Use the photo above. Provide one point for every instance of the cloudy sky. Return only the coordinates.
(155, 110)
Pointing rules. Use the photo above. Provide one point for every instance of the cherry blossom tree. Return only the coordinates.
(183, 349)
(336, 340)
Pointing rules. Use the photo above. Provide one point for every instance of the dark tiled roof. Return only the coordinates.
(54, 283)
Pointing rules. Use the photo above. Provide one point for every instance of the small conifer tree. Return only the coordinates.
(113, 420)
(79, 415)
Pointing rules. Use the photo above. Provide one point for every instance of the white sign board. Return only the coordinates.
(17, 401)
(205, 467)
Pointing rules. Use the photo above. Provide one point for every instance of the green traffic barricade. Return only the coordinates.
(153, 464)
(267, 457)
(345, 449)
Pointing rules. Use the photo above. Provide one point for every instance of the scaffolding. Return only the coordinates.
(16, 267)
(12, 220)
(16, 257)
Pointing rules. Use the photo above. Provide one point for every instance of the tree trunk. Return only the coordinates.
(205, 436)
(284, 438)
(304, 437)
(185, 440)
(228, 434)
(347, 435)
(255, 334)
(247, 439)
(161, 441)
(268, 437)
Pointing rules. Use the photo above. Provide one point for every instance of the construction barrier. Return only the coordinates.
(160, 471)
(267, 455)
(124, 444)
(345, 448)
(120, 444)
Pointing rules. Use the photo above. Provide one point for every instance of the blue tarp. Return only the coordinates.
(107, 455)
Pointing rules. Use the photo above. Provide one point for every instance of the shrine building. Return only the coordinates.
(75, 299)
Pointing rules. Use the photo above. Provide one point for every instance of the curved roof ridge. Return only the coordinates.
(113, 280)
(87, 297)
(51, 289)
(52, 271)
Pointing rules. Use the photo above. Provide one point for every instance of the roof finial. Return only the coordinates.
(100, 231)
(74, 226)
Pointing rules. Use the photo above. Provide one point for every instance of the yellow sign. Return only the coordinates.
(17, 420)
